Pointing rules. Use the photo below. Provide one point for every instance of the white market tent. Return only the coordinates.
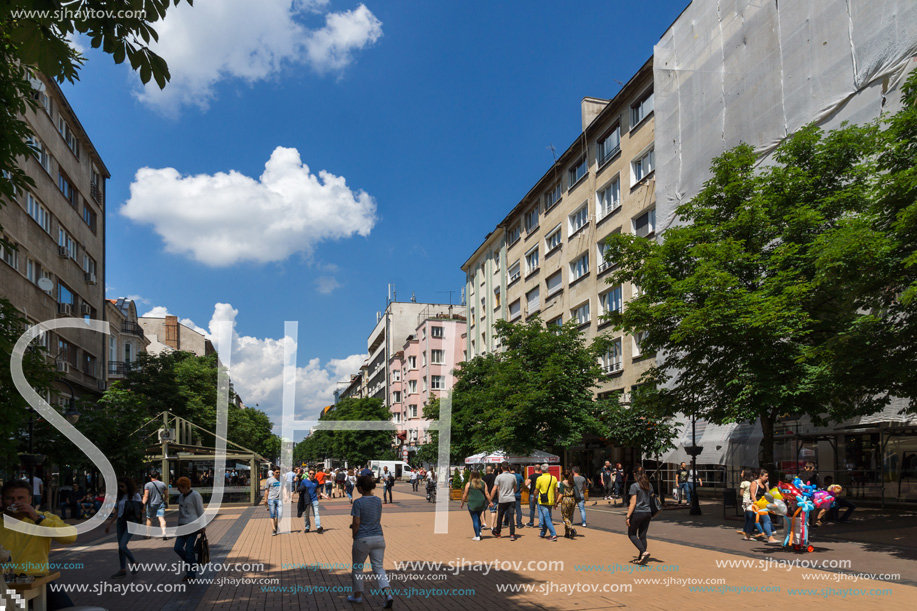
(536, 457)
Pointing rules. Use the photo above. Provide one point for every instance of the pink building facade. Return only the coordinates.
(422, 370)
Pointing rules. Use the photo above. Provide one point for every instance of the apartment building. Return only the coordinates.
(422, 370)
(546, 257)
(127, 339)
(57, 269)
(167, 334)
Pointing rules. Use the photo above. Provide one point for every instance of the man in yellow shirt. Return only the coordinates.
(30, 553)
(546, 485)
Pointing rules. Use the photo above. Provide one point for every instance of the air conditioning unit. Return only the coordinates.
(65, 309)
(63, 366)
(103, 385)
(63, 252)
(91, 278)
(166, 434)
(85, 309)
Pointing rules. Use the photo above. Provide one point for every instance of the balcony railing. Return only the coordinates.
(120, 368)
(132, 327)
(96, 193)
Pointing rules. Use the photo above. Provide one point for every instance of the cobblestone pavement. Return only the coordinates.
(697, 563)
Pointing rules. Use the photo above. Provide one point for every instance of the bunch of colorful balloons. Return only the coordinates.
(800, 499)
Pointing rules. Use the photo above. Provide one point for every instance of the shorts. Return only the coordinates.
(275, 508)
(493, 507)
(155, 511)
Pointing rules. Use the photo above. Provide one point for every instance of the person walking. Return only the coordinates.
(567, 502)
(414, 480)
(533, 495)
(505, 490)
(489, 478)
(580, 482)
(639, 514)
(756, 491)
(620, 481)
(681, 477)
(546, 487)
(272, 499)
(155, 499)
(388, 481)
(190, 508)
(129, 508)
(608, 481)
(520, 483)
(310, 492)
(475, 495)
(368, 540)
(350, 484)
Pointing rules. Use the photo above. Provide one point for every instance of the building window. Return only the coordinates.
(66, 187)
(557, 322)
(396, 396)
(552, 197)
(531, 260)
(575, 173)
(639, 336)
(608, 145)
(645, 224)
(423, 359)
(41, 153)
(66, 352)
(608, 199)
(513, 235)
(436, 332)
(31, 270)
(68, 135)
(497, 297)
(610, 301)
(579, 267)
(89, 365)
(89, 264)
(64, 295)
(602, 248)
(514, 272)
(578, 219)
(10, 256)
(38, 212)
(534, 301)
(611, 360)
(581, 314)
(643, 166)
(67, 243)
(642, 109)
(425, 384)
(397, 417)
(89, 217)
(412, 387)
(515, 310)
(412, 411)
(531, 220)
(437, 357)
(42, 98)
(555, 282)
(412, 362)
(438, 382)
(553, 240)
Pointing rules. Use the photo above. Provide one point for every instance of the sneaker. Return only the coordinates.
(584, 525)
(531, 525)
(319, 530)
(274, 534)
(305, 532)
(476, 538)
(352, 599)
(512, 537)
(497, 536)
(554, 538)
(389, 602)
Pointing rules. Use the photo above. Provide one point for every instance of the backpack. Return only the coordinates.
(340, 477)
(133, 511)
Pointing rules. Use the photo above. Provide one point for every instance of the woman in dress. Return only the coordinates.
(368, 540)
(567, 503)
(127, 491)
(477, 498)
(639, 514)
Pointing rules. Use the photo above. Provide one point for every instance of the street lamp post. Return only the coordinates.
(693, 452)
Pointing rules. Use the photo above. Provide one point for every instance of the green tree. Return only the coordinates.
(120, 410)
(355, 447)
(638, 425)
(732, 293)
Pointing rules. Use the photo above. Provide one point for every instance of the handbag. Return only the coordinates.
(544, 497)
(202, 549)
(577, 494)
(654, 505)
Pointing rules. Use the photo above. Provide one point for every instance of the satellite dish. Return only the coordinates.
(45, 284)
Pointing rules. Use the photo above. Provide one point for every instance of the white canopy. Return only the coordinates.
(536, 457)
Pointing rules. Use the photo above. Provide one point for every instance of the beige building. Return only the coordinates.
(547, 255)
(58, 267)
(167, 334)
(127, 339)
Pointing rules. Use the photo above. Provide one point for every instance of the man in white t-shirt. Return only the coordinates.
(414, 480)
(38, 491)
(289, 476)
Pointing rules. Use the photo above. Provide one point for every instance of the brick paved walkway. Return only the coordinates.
(681, 550)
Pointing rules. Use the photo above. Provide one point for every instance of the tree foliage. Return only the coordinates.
(355, 447)
(739, 295)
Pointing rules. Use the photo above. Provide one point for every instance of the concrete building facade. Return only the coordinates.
(485, 287)
(167, 334)
(127, 339)
(57, 269)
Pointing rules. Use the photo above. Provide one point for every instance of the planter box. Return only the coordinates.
(455, 495)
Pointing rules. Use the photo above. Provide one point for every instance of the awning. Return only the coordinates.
(536, 457)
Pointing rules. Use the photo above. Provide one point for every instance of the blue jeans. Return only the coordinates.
(519, 523)
(582, 510)
(124, 536)
(749, 523)
(766, 525)
(275, 507)
(476, 522)
(684, 489)
(533, 507)
(544, 515)
(313, 508)
(184, 547)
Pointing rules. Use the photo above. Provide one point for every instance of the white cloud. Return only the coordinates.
(257, 372)
(156, 312)
(224, 218)
(139, 299)
(250, 40)
(326, 284)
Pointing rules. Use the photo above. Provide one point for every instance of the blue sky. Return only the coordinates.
(433, 118)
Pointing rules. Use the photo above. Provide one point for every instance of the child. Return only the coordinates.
(368, 539)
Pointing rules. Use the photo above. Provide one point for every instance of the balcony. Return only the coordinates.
(132, 327)
(96, 193)
(120, 368)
